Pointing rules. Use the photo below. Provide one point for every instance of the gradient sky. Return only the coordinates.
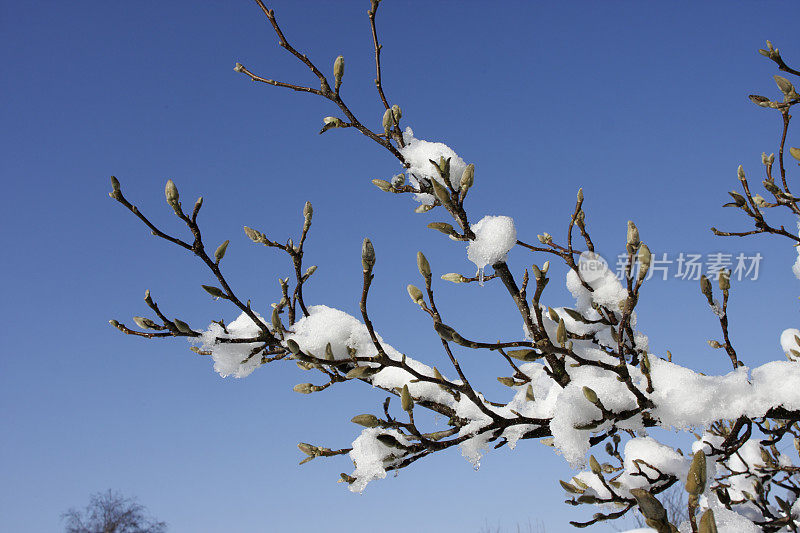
(643, 104)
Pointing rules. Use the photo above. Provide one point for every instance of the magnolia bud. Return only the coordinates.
(219, 253)
(416, 295)
(442, 227)
(276, 321)
(115, 188)
(252, 234)
(594, 466)
(740, 173)
(508, 382)
(388, 121)
(591, 395)
(368, 421)
(467, 178)
(529, 394)
(338, 72)
(214, 291)
(696, 480)
(707, 523)
(724, 279)
(545, 267)
(714, 344)
(794, 151)
(633, 237)
(145, 323)
(383, 185)
(561, 332)
(171, 192)
(182, 326)
(785, 86)
(362, 372)
(238, 67)
(397, 113)
(651, 508)
(644, 261)
(580, 196)
(423, 266)
(367, 255)
(705, 288)
(406, 401)
(441, 193)
(308, 212)
(453, 277)
(293, 346)
(304, 388)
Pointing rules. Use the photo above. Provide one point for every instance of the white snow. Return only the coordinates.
(419, 154)
(231, 359)
(789, 342)
(494, 238)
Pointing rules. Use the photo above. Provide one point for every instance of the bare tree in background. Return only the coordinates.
(110, 512)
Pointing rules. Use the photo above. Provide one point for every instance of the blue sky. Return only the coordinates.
(643, 104)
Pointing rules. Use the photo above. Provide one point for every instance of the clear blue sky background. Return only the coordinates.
(644, 104)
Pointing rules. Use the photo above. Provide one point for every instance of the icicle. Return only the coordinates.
(480, 276)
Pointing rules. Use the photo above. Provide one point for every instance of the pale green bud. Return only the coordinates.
(116, 192)
(406, 401)
(338, 72)
(276, 321)
(397, 113)
(707, 522)
(594, 466)
(705, 288)
(362, 372)
(696, 480)
(591, 395)
(785, 86)
(633, 237)
(182, 326)
(219, 253)
(304, 388)
(238, 67)
(441, 193)
(171, 192)
(368, 421)
(416, 295)
(253, 235)
(293, 346)
(442, 227)
(529, 394)
(714, 344)
(453, 277)
(367, 255)
(214, 291)
(467, 178)
(740, 173)
(423, 266)
(795, 153)
(383, 185)
(724, 279)
(561, 332)
(644, 261)
(388, 121)
(145, 323)
(650, 507)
